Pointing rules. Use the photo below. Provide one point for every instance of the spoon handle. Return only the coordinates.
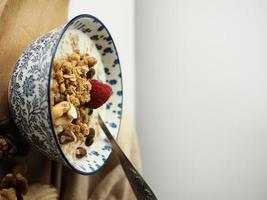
(138, 184)
(140, 188)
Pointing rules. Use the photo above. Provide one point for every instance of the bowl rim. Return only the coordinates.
(64, 29)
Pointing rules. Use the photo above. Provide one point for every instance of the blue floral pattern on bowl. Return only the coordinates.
(29, 94)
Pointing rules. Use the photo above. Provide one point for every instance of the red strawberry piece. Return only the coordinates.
(99, 93)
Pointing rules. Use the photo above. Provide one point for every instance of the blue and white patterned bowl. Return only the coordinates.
(29, 93)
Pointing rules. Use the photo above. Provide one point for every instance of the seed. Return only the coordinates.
(66, 137)
(80, 152)
(90, 73)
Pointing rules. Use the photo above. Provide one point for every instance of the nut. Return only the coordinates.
(80, 152)
(62, 121)
(66, 136)
(72, 113)
(59, 129)
(59, 109)
(91, 61)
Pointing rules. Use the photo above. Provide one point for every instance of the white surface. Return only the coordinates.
(202, 98)
(118, 16)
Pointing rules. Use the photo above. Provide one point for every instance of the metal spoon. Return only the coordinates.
(140, 188)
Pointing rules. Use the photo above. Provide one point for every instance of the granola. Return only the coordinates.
(76, 64)
(70, 92)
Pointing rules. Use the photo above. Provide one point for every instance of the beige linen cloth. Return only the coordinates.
(21, 22)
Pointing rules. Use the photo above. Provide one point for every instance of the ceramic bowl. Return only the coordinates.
(29, 94)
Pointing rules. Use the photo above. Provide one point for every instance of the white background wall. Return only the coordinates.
(118, 16)
(202, 97)
(201, 92)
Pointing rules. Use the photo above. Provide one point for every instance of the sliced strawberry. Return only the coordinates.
(99, 93)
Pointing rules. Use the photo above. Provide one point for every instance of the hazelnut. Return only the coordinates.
(80, 152)
(66, 136)
(91, 61)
